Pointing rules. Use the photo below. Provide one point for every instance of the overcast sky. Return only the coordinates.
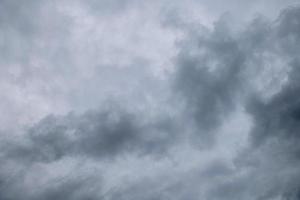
(149, 100)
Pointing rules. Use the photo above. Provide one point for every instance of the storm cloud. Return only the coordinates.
(149, 100)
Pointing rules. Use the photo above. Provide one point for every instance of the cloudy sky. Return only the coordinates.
(149, 100)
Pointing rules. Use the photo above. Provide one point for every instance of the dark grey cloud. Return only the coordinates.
(217, 71)
(278, 116)
(103, 134)
(273, 155)
(209, 77)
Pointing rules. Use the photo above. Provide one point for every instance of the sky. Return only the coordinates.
(149, 100)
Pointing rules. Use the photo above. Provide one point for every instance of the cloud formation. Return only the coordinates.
(110, 115)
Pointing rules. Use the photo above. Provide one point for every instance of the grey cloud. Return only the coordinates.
(209, 77)
(72, 189)
(109, 7)
(279, 115)
(217, 168)
(22, 29)
(213, 89)
(62, 188)
(216, 69)
(54, 54)
(103, 134)
(192, 184)
(288, 31)
(274, 154)
(213, 76)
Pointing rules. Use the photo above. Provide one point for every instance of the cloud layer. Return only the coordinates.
(127, 100)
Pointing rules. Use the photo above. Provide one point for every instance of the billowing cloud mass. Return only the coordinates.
(142, 100)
